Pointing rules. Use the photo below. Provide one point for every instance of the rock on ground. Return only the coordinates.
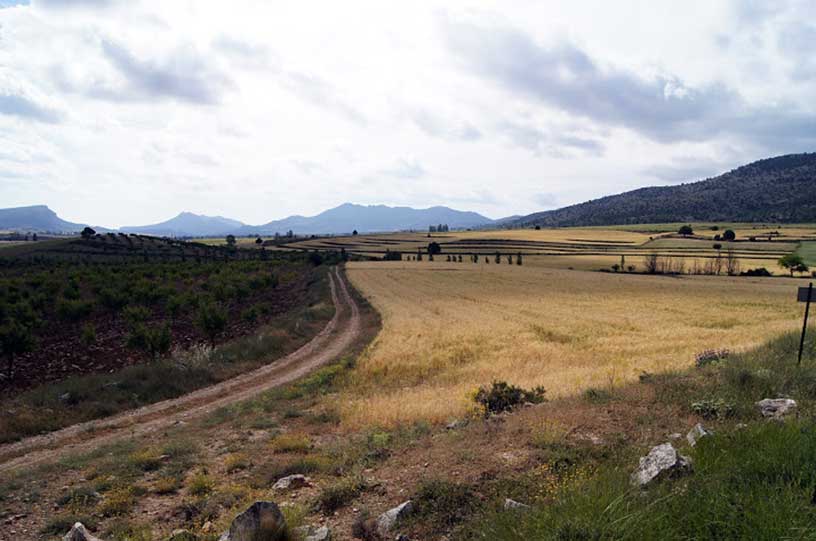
(697, 433)
(79, 533)
(183, 535)
(292, 482)
(663, 460)
(262, 520)
(392, 517)
(513, 504)
(776, 408)
(320, 534)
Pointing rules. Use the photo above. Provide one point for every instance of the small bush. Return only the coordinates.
(339, 495)
(711, 356)
(117, 502)
(73, 310)
(444, 503)
(236, 462)
(88, 337)
(201, 484)
(291, 443)
(61, 524)
(596, 395)
(713, 408)
(167, 485)
(504, 397)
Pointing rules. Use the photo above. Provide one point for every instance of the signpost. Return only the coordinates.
(805, 296)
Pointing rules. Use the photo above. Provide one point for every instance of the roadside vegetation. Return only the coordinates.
(85, 340)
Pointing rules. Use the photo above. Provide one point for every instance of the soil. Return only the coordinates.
(338, 334)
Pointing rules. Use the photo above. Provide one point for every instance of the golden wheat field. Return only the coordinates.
(450, 327)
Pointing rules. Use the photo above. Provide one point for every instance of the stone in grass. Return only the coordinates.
(697, 433)
(292, 482)
(392, 517)
(79, 533)
(262, 520)
(513, 505)
(662, 461)
(776, 408)
(311, 533)
(183, 535)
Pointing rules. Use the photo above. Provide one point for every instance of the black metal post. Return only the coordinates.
(804, 326)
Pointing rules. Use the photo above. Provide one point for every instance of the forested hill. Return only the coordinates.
(781, 189)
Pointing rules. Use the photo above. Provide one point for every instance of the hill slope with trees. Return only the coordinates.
(781, 190)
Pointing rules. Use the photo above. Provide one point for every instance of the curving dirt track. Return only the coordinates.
(329, 344)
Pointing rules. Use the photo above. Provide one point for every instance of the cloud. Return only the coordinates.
(23, 107)
(243, 53)
(546, 200)
(73, 4)
(13, 3)
(437, 126)
(184, 76)
(321, 93)
(550, 142)
(677, 172)
(662, 108)
(405, 169)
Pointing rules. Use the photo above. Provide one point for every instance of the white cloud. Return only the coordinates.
(120, 111)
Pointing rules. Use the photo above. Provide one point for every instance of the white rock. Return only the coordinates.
(79, 533)
(776, 408)
(320, 534)
(696, 434)
(392, 517)
(513, 504)
(661, 460)
(292, 482)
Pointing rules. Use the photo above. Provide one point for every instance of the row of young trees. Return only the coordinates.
(147, 299)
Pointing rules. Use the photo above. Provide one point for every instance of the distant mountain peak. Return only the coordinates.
(778, 189)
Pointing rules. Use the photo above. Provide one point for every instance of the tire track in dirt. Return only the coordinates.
(329, 344)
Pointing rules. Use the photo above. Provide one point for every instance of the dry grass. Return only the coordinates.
(448, 328)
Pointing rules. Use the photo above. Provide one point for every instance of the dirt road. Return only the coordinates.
(329, 344)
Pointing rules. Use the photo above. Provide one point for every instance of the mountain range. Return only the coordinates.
(776, 190)
(343, 219)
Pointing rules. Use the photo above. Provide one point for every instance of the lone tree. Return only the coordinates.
(793, 262)
(14, 340)
(259, 241)
(434, 248)
(87, 233)
(354, 233)
(729, 235)
(686, 230)
(518, 259)
(211, 319)
(230, 240)
(498, 257)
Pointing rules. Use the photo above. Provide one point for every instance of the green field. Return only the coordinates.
(808, 251)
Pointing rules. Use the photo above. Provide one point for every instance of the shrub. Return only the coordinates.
(713, 408)
(88, 337)
(167, 485)
(504, 397)
(211, 319)
(236, 462)
(61, 524)
(291, 443)
(444, 503)
(135, 314)
(201, 484)
(155, 341)
(117, 502)
(73, 310)
(340, 494)
(761, 271)
(710, 356)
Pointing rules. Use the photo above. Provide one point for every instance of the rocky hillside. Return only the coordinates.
(781, 189)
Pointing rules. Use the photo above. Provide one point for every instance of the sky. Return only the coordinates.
(127, 112)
